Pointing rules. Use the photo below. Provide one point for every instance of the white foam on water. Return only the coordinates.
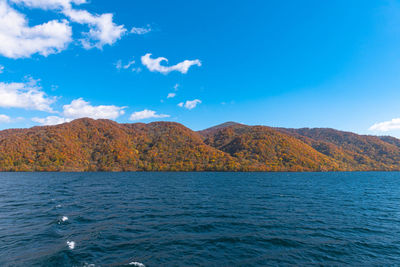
(137, 264)
(64, 218)
(58, 206)
(71, 244)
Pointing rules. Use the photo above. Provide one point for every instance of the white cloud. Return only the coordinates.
(119, 65)
(25, 95)
(130, 63)
(140, 31)
(4, 118)
(385, 126)
(102, 29)
(80, 108)
(154, 65)
(51, 120)
(146, 114)
(190, 104)
(18, 40)
(49, 4)
(1, 69)
(176, 86)
(171, 95)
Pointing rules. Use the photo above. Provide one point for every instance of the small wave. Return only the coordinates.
(137, 264)
(71, 244)
(58, 206)
(64, 218)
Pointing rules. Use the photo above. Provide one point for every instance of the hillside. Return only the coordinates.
(267, 148)
(104, 145)
(355, 152)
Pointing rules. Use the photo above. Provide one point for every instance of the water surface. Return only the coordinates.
(204, 219)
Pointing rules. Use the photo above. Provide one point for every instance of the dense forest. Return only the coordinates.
(104, 145)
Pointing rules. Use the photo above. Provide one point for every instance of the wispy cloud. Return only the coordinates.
(119, 65)
(146, 114)
(190, 104)
(140, 31)
(385, 126)
(130, 63)
(1, 69)
(171, 95)
(4, 118)
(154, 65)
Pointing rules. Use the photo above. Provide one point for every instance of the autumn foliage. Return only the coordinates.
(104, 145)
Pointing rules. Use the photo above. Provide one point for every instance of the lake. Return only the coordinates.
(199, 219)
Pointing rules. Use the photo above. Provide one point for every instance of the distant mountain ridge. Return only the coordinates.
(104, 145)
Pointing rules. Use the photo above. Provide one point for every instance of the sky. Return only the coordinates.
(290, 63)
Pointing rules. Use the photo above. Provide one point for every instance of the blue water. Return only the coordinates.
(199, 219)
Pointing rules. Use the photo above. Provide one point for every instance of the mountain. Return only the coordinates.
(353, 151)
(267, 149)
(104, 145)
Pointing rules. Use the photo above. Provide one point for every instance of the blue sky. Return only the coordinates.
(293, 63)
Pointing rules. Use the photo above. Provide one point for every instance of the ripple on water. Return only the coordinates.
(137, 264)
(71, 244)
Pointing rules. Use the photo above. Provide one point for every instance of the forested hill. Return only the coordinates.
(104, 145)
